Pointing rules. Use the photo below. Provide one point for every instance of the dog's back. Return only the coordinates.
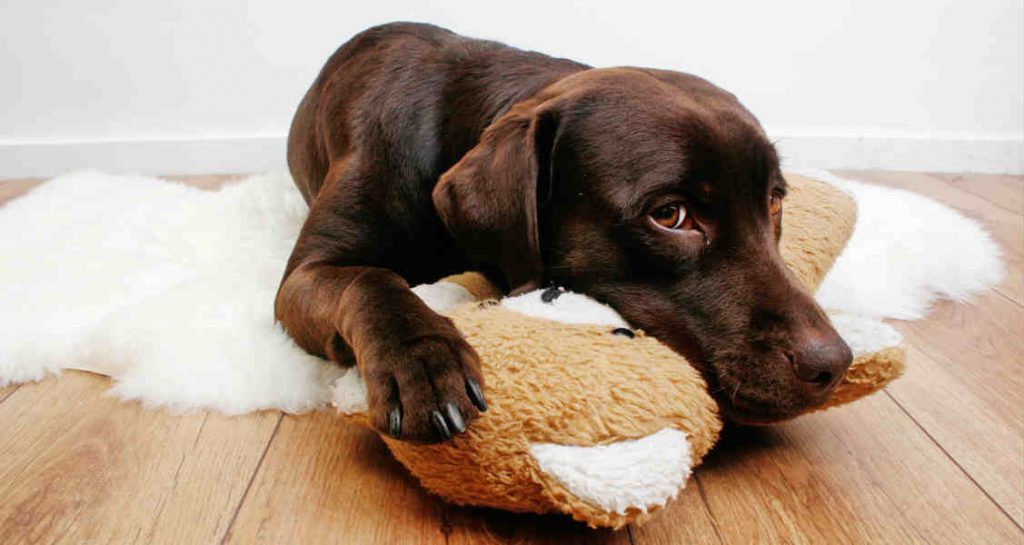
(417, 94)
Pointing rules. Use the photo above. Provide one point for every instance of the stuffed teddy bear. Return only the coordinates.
(589, 417)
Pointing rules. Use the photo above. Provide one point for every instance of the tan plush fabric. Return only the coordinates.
(817, 220)
(549, 382)
(868, 374)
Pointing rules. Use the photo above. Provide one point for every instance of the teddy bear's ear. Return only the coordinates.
(617, 483)
(564, 306)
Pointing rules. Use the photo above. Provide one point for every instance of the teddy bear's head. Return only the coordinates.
(586, 416)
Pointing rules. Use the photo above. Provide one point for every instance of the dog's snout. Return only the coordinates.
(819, 360)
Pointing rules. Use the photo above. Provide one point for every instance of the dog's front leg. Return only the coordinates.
(423, 379)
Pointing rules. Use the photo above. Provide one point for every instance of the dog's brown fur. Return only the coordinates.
(423, 153)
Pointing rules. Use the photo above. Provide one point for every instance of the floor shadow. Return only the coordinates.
(737, 443)
(483, 525)
(469, 524)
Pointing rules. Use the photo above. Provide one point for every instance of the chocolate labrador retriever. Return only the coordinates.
(424, 153)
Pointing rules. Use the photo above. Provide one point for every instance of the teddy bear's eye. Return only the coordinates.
(624, 331)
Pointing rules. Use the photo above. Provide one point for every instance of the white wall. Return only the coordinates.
(210, 85)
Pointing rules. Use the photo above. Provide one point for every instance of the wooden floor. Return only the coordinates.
(937, 458)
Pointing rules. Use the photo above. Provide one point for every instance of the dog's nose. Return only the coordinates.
(820, 360)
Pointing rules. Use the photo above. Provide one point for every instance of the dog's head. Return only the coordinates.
(659, 194)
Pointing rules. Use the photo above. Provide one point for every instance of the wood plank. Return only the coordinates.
(965, 386)
(862, 473)
(490, 527)
(982, 344)
(324, 477)
(686, 520)
(80, 466)
(1002, 190)
(323, 480)
(10, 189)
(965, 424)
(6, 391)
(1007, 228)
(487, 526)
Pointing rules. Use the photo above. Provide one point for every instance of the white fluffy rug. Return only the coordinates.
(906, 251)
(170, 289)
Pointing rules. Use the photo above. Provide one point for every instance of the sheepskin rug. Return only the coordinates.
(169, 289)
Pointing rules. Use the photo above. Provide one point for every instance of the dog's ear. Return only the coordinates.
(488, 200)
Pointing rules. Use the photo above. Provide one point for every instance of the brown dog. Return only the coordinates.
(423, 153)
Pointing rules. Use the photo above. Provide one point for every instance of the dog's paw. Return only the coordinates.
(426, 390)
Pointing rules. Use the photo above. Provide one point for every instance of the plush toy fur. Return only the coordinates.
(817, 222)
(585, 419)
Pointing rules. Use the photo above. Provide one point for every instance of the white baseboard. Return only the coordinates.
(913, 151)
(184, 155)
(926, 152)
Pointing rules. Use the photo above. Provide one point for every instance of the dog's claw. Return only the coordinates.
(395, 422)
(440, 425)
(476, 395)
(454, 418)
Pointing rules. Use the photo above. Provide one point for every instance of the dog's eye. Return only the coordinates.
(775, 204)
(670, 216)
